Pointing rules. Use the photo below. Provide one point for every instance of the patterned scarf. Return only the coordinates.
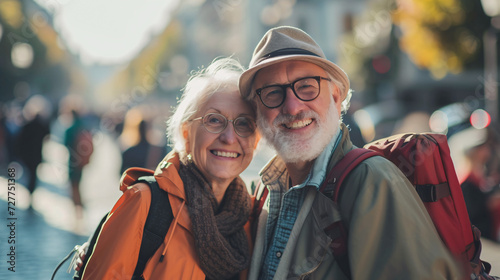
(220, 240)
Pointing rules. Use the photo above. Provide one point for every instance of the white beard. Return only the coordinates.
(297, 148)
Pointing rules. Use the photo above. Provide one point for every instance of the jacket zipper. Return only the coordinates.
(303, 276)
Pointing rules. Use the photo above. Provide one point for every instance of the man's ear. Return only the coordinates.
(336, 98)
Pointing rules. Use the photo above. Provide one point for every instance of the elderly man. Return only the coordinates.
(299, 96)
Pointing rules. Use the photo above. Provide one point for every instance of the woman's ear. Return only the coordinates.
(185, 135)
(257, 139)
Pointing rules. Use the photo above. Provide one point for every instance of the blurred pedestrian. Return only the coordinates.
(4, 142)
(480, 150)
(12, 123)
(32, 136)
(138, 150)
(78, 141)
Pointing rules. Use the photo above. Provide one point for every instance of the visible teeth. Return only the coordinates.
(225, 154)
(299, 124)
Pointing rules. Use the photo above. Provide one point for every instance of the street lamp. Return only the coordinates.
(492, 9)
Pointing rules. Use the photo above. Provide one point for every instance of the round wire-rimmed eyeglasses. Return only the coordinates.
(216, 123)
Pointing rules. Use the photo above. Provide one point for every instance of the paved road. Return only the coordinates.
(38, 247)
(45, 234)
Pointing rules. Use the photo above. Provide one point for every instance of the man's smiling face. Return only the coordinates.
(298, 130)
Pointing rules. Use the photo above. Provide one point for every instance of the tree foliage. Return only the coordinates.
(443, 36)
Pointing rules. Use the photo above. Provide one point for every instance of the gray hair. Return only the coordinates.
(221, 75)
(347, 101)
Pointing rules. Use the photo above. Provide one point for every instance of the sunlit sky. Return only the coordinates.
(108, 31)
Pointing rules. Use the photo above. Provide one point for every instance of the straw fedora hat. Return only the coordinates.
(289, 43)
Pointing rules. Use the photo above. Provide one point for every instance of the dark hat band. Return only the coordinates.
(287, 51)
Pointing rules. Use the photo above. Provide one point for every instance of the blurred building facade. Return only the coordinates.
(363, 37)
(33, 59)
(389, 73)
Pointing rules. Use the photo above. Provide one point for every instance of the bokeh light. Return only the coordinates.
(439, 122)
(480, 119)
(381, 64)
(22, 55)
(366, 125)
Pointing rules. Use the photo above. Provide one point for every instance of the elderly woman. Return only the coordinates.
(214, 138)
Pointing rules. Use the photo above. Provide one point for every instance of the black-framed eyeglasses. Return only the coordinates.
(216, 123)
(306, 89)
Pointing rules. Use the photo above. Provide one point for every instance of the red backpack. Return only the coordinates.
(425, 160)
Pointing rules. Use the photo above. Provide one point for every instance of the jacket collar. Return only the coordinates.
(345, 145)
(167, 175)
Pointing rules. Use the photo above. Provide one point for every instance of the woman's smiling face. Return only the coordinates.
(221, 156)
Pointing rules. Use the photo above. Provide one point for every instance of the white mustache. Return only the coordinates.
(286, 118)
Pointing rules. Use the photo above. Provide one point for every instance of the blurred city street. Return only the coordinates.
(46, 233)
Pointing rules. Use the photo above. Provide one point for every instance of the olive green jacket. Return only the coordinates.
(390, 234)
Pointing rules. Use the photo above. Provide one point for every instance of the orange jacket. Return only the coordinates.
(117, 249)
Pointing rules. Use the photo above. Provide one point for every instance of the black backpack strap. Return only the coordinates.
(159, 218)
(259, 201)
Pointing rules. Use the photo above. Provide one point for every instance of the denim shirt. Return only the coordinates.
(284, 208)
